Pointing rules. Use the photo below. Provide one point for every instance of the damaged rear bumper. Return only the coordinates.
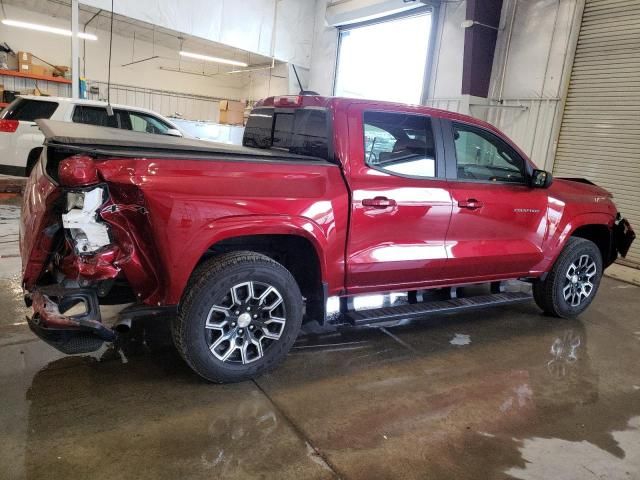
(80, 332)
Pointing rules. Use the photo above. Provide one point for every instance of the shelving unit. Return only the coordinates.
(15, 73)
(19, 81)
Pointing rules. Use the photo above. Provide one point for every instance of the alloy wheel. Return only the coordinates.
(579, 280)
(245, 323)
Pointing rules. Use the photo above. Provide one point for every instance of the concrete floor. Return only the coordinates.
(501, 393)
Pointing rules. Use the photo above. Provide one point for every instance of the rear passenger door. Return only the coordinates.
(400, 206)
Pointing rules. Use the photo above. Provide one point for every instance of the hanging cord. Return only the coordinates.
(109, 109)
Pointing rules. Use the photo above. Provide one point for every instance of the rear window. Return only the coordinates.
(29, 110)
(303, 131)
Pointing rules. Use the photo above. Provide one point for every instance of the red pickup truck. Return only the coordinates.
(327, 197)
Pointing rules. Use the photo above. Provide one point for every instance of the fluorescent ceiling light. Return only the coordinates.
(207, 58)
(45, 28)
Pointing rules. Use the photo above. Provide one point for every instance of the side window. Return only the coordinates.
(483, 156)
(399, 144)
(142, 122)
(94, 116)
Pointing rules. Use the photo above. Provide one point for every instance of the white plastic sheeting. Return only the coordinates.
(279, 28)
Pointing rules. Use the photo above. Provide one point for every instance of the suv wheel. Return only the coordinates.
(573, 281)
(239, 317)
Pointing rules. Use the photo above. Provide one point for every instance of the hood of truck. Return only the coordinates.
(38, 224)
(579, 189)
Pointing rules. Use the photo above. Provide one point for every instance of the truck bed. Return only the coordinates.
(115, 142)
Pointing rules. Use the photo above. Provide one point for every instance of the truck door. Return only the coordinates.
(498, 222)
(400, 204)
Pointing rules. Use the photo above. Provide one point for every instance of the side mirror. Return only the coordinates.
(541, 179)
(174, 132)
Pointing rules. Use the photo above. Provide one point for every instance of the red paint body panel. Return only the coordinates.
(194, 204)
(37, 219)
(165, 213)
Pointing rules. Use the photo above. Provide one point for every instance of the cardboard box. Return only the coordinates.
(232, 106)
(25, 60)
(25, 57)
(40, 70)
(231, 117)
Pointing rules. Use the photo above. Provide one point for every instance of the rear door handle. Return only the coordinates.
(378, 202)
(470, 203)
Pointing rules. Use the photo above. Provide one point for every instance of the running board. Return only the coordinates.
(403, 312)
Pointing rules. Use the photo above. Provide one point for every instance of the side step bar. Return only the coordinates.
(403, 312)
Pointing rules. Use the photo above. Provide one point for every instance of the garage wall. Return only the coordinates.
(56, 49)
(279, 28)
(531, 67)
(528, 77)
(599, 137)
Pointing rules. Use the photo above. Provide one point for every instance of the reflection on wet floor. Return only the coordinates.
(500, 393)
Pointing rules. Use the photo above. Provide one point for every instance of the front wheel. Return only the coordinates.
(239, 318)
(572, 283)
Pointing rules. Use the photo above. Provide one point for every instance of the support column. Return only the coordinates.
(75, 51)
(483, 19)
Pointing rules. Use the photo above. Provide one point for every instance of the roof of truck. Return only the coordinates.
(320, 101)
(309, 100)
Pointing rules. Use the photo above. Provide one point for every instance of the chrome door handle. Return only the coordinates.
(378, 202)
(470, 204)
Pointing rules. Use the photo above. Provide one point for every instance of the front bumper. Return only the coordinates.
(623, 236)
(82, 332)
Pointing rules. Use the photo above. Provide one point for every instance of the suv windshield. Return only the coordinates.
(29, 110)
(303, 131)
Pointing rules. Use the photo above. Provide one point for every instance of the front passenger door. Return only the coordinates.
(498, 222)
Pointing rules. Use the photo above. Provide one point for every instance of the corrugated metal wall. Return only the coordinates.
(600, 132)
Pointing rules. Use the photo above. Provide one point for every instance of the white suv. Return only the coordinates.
(21, 140)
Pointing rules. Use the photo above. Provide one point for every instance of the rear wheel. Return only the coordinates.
(239, 317)
(572, 284)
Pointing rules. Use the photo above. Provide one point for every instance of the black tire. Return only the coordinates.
(550, 293)
(215, 282)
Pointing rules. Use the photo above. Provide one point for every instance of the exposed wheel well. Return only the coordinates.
(295, 253)
(32, 159)
(601, 236)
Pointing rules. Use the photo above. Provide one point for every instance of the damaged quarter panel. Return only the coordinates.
(38, 215)
(190, 205)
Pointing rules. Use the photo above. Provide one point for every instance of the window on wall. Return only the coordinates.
(385, 59)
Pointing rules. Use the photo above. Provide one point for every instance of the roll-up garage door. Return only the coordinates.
(600, 132)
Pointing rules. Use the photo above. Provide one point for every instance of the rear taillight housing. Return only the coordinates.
(78, 171)
(8, 126)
